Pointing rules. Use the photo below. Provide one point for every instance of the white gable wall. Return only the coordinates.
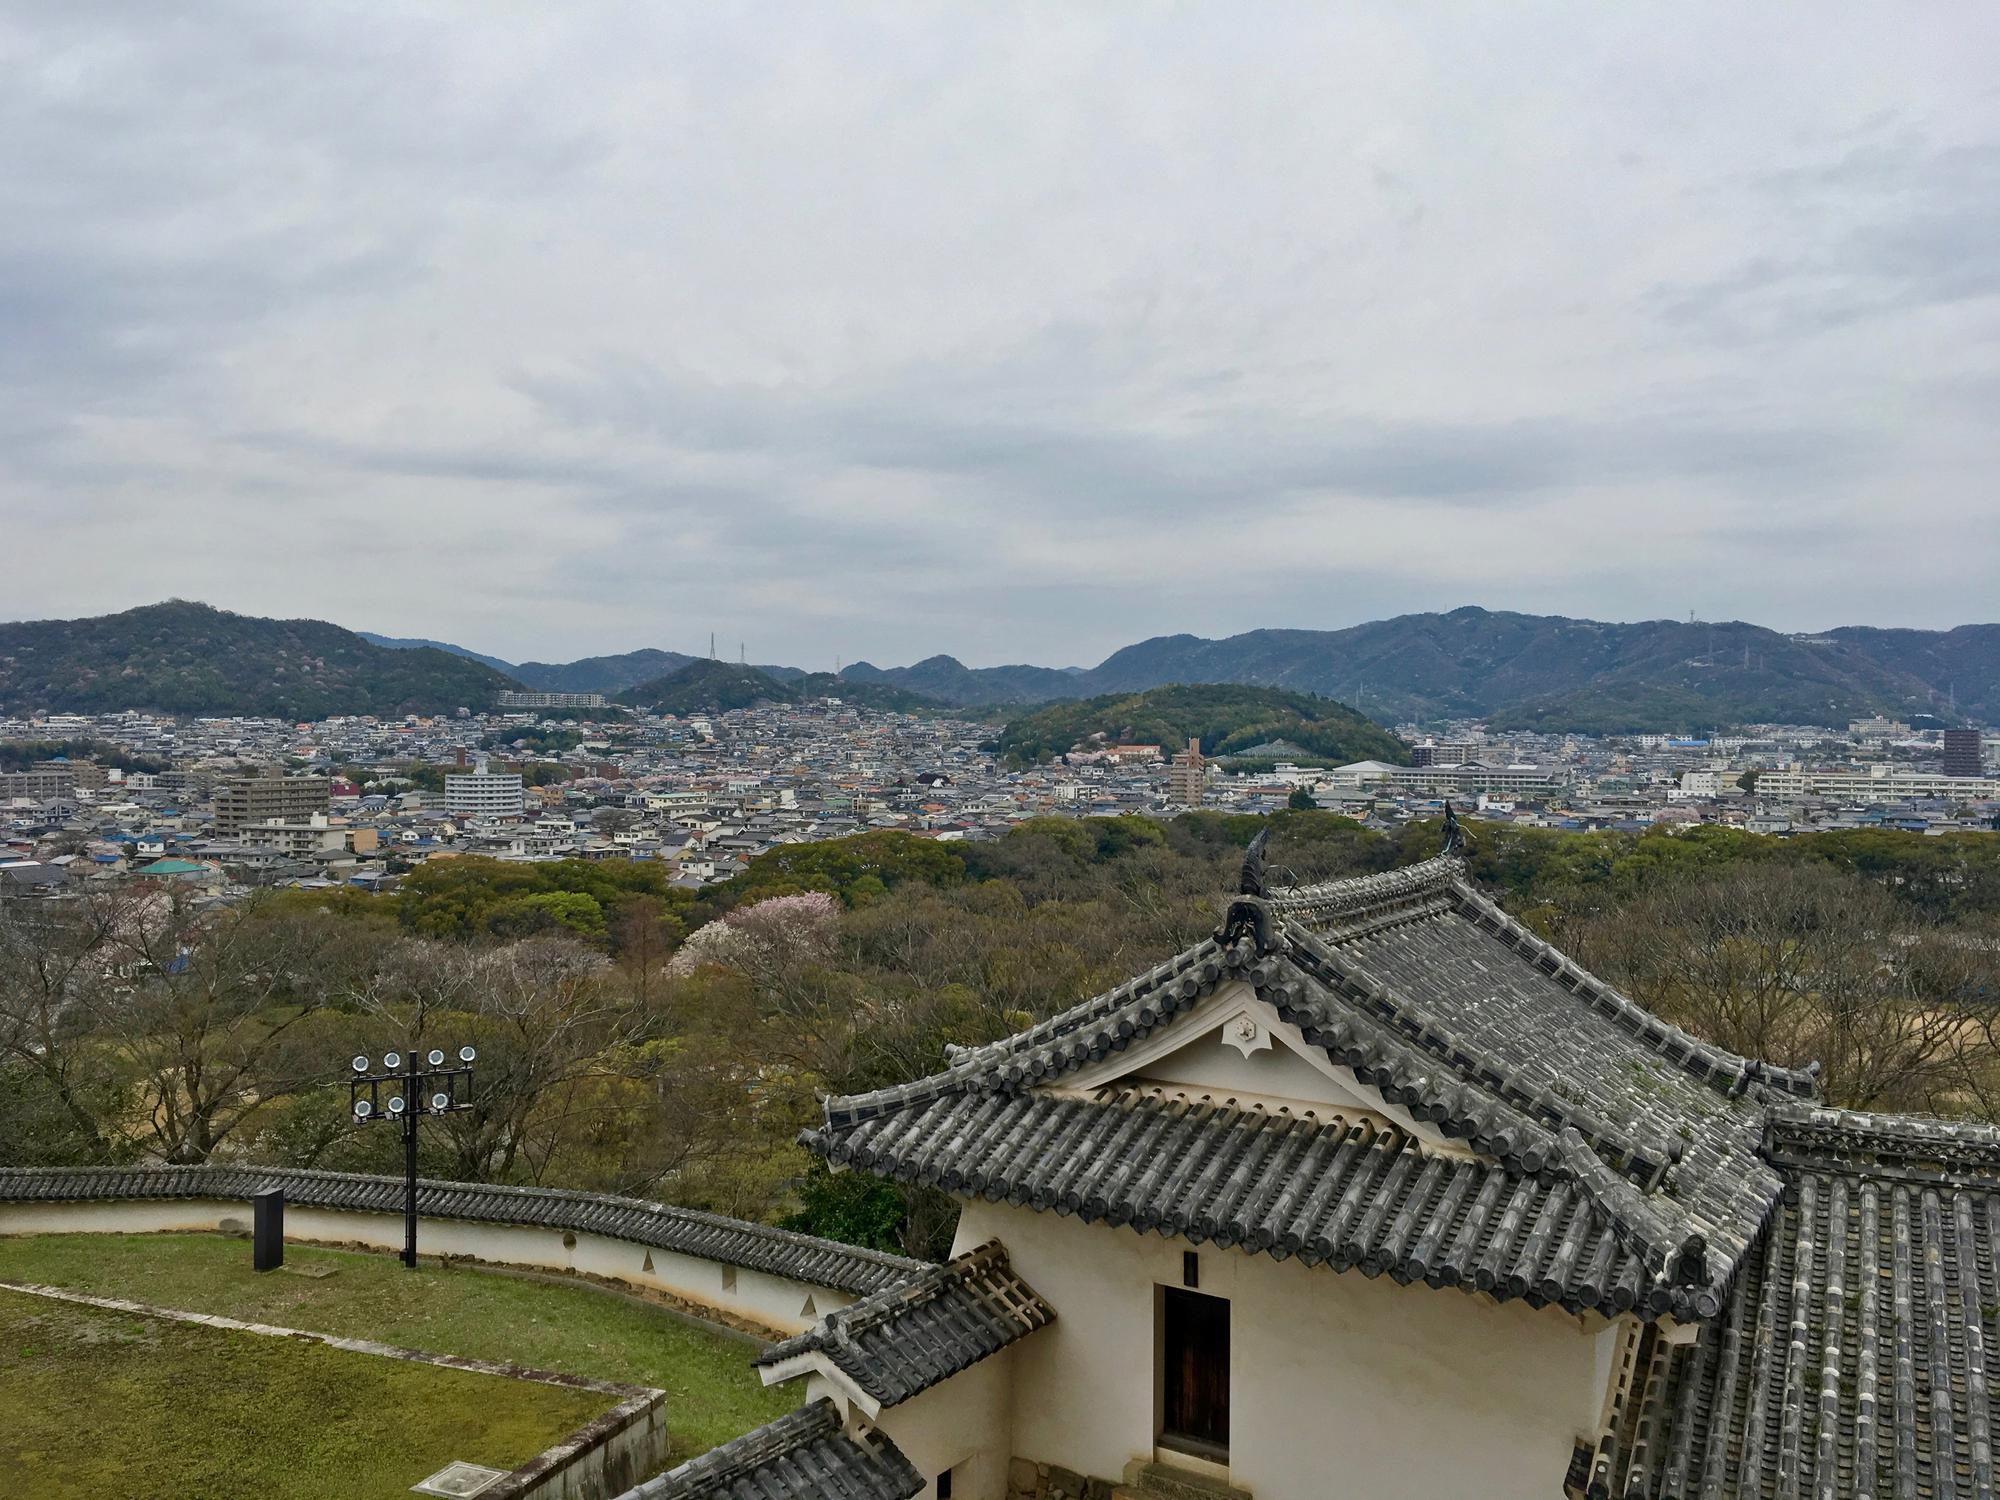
(1338, 1385)
(1209, 1064)
(1232, 1045)
(963, 1424)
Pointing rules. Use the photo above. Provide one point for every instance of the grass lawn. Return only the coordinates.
(712, 1392)
(95, 1403)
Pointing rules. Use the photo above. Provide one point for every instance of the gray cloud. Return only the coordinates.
(1016, 333)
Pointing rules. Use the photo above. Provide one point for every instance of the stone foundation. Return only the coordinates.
(1028, 1480)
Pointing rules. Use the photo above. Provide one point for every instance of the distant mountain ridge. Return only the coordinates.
(188, 658)
(1543, 671)
(600, 674)
(1515, 670)
(705, 686)
(416, 643)
(950, 680)
(590, 674)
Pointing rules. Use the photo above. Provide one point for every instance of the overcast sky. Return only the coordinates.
(1018, 333)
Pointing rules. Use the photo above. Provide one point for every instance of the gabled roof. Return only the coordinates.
(1625, 1152)
(896, 1343)
(805, 1453)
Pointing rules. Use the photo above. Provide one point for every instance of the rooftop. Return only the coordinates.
(1544, 1136)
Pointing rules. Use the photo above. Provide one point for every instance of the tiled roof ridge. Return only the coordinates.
(903, 1340)
(1928, 1147)
(1405, 1073)
(1348, 1192)
(1715, 1066)
(1082, 1033)
(1506, 1128)
(881, 1307)
(1353, 894)
(850, 1267)
(820, 1418)
(1512, 1121)
(1433, 1040)
(818, 1421)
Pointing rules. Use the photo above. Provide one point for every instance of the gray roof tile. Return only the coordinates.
(1858, 1353)
(907, 1339)
(803, 1456)
(1604, 1121)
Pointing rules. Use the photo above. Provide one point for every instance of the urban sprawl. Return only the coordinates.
(238, 804)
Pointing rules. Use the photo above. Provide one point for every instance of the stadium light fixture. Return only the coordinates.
(418, 1086)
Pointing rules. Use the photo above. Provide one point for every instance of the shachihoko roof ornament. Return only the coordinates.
(1456, 842)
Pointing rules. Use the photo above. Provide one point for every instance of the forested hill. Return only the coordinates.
(1544, 671)
(182, 657)
(1227, 718)
(704, 686)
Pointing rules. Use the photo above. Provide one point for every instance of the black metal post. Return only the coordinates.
(411, 1085)
(267, 1251)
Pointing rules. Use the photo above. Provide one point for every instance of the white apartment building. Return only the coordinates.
(551, 700)
(484, 794)
(1519, 780)
(1703, 784)
(299, 839)
(1877, 786)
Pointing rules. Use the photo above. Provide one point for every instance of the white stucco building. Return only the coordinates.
(481, 793)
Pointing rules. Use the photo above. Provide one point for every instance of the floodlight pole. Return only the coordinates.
(420, 1086)
(410, 1166)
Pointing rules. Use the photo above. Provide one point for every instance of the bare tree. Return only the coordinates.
(545, 1015)
(54, 970)
(202, 1006)
(1796, 963)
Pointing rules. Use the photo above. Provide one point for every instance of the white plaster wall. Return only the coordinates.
(962, 1424)
(1338, 1383)
(115, 1218)
(775, 1301)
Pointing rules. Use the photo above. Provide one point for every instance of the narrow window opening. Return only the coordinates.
(944, 1485)
(729, 1278)
(1190, 1269)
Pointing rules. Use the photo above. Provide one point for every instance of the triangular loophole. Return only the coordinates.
(648, 1266)
(809, 1311)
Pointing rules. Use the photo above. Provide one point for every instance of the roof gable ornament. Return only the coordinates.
(1250, 913)
(1251, 883)
(1456, 842)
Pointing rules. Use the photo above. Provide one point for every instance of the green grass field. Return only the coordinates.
(712, 1392)
(94, 1403)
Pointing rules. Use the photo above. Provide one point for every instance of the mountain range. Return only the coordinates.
(609, 675)
(1515, 670)
(1541, 671)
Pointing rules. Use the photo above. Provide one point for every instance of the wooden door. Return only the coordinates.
(1195, 1368)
